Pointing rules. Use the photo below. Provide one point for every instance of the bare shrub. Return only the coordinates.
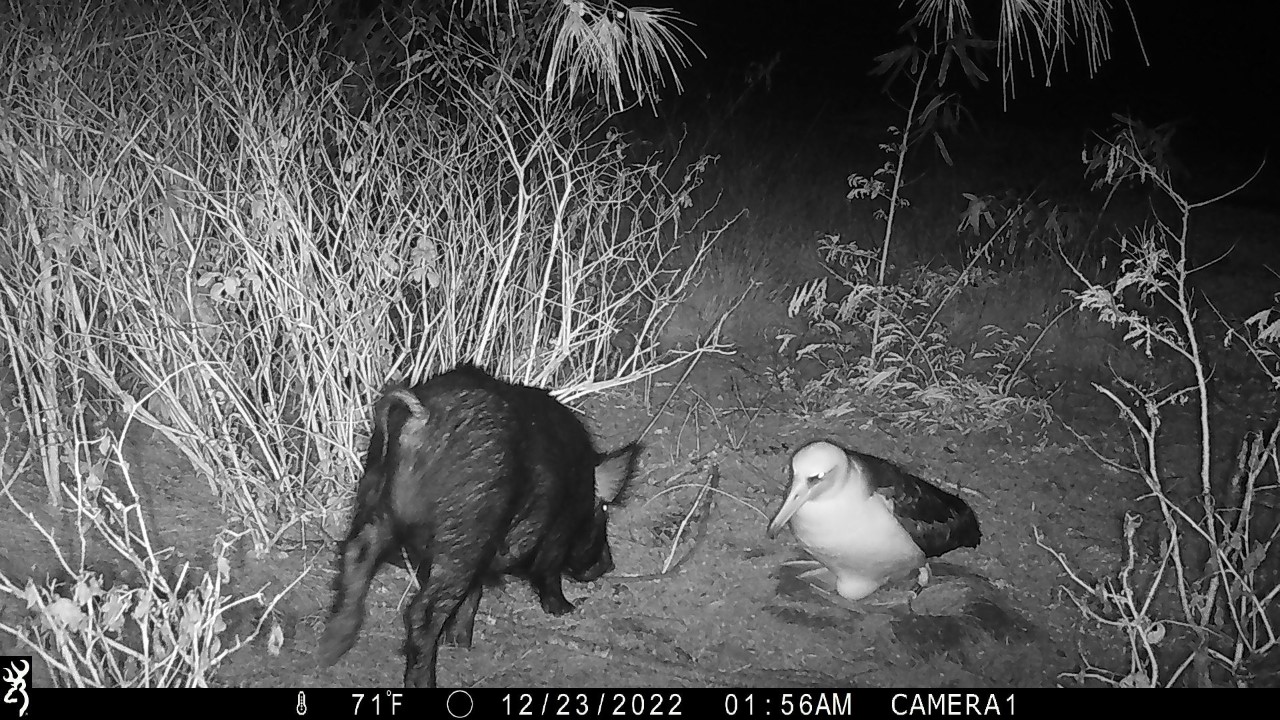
(1204, 611)
(212, 237)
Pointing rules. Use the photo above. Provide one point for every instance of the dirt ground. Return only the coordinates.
(728, 611)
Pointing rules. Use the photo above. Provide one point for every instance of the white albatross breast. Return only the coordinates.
(868, 520)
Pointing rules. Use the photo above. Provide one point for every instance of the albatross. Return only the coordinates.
(867, 520)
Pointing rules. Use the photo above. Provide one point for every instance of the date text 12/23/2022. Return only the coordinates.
(757, 703)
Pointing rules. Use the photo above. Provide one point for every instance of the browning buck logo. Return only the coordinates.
(14, 673)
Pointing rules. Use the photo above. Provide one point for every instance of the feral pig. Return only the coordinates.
(473, 478)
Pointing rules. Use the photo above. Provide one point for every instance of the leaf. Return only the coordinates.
(31, 595)
(275, 640)
(894, 60)
(975, 213)
(114, 609)
(86, 589)
(97, 473)
(971, 70)
(1155, 633)
(942, 148)
(143, 608)
(63, 614)
(224, 569)
(932, 106)
(1254, 560)
(192, 620)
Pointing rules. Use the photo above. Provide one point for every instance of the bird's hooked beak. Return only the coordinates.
(799, 495)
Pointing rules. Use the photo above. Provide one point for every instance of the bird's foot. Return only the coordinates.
(818, 576)
(886, 598)
(922, 577)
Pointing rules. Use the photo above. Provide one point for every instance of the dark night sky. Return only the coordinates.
(1217, 66)
(1214, 72)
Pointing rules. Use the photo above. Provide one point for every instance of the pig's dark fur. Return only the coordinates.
(473, 478)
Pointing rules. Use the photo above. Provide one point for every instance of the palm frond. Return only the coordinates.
(615, 50)
(1034, 32)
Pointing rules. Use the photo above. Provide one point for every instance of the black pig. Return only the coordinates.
(473, 478)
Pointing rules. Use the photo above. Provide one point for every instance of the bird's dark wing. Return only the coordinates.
(937, 520)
